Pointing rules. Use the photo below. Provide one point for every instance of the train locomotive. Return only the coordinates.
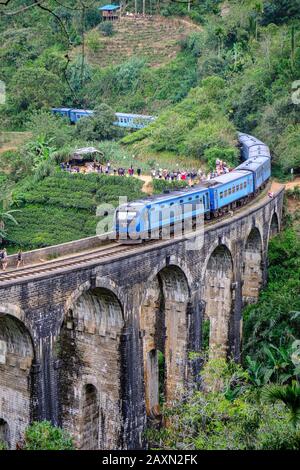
(148, 218)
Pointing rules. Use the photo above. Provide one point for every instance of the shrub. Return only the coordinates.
(43, 436)
(100, 126)
(227, 416)
(94, 42)
(160, 185)
(3, 445)
(228, 155)
(107, 28)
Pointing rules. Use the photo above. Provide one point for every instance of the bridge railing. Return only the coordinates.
(52, 252)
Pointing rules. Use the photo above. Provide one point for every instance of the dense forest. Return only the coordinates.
(223, 67)
(237, 68)
(230, 66)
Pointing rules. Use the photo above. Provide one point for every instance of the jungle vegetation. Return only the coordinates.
(239, 70)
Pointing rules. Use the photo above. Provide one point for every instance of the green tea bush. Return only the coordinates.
(161, 185)
(107, 28)
(62, 208)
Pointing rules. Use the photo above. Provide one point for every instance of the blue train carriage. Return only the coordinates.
(247, 142)
(153, 217)
(229, 190)
(260, 167)
(76, 114)
(64, 112)
(133, 121)
(260, 150)
(72, 114)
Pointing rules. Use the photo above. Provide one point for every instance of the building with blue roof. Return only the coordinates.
(110, 12)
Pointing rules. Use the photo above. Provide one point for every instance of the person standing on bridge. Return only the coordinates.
(20, 259)
(4, 259)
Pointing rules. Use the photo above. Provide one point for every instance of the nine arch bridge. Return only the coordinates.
(80, 335)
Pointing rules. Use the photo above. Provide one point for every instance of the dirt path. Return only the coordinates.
(293, 184)
(293, 203)
(147, 187)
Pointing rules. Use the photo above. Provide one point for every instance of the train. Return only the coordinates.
(131, 121)
(147, 218)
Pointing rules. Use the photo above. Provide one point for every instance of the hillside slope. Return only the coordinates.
(153, 37)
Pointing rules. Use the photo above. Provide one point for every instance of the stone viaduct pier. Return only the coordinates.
(80, 336)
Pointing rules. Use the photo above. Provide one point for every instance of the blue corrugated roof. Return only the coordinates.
(109, 7)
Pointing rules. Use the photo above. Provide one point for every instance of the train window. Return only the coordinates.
(197, 197)
(245, 184)
(233, 189)
(229, 191)
(171, 203)
(181, 201)
(221, 195)
(237, 188)
(241, 186)
(190, 198)
(225, 193)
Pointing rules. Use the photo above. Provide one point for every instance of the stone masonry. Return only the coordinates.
(81, 347)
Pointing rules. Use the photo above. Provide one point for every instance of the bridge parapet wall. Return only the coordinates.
(55, 251)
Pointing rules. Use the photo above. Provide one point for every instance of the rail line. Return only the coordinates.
(110, 250)
(72, 261)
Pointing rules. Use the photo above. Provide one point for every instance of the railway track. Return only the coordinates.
(110, 250)
(73, 261)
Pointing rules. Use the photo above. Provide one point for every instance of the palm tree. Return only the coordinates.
(6, 215)
(289, 395)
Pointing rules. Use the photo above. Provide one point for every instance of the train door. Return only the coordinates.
(216, 199)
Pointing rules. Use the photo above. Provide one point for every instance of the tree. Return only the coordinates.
(6, 215)
(279, 11)
(100, 126)
(34, 88)
(289, 395)
(87, 12)
(43, 436)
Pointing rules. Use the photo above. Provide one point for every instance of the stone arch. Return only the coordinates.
(164, 325)
(90, 346)
(218, 297)
(274, 225)
(222, 241)
(16, 360)
(13, 311)
(4, 433)
(252, 267)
